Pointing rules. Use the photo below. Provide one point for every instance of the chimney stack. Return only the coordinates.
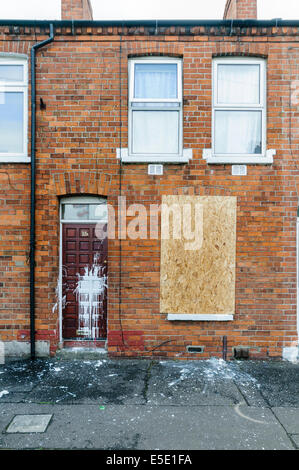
(76, 10)
(240, 10)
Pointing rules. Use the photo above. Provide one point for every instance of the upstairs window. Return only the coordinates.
(13, 107)
(239, 107)
(155, 107)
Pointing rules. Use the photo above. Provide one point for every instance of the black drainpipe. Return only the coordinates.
(32, 194)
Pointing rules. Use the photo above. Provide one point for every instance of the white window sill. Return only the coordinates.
(198, 317)
(232, 160)
(123, 154)
(7, 159)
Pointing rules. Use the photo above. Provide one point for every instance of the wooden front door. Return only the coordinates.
(84, 282)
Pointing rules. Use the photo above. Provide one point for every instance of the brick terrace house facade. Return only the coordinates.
(216, 104)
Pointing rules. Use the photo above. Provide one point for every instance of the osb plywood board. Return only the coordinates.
(199, 280)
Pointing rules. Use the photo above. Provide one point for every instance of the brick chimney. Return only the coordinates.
(240, 10)
(76, 10)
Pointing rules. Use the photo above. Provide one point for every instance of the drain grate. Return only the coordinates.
(241, 352)
(195, 349)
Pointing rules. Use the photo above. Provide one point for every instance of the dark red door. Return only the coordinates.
(84, 282)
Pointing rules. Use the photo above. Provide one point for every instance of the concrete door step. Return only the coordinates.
(81, 353)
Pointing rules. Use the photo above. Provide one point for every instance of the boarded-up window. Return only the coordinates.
(198, 276)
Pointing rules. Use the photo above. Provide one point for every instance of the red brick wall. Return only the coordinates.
(240, 9)
(14, 251)
(78, 133)
(76, 10)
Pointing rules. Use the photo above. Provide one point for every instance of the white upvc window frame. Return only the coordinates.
(266, 156)
(20, 87)
(82, 200)
(127, 155)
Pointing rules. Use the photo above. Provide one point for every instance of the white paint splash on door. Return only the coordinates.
(90, 296)
(57, 293)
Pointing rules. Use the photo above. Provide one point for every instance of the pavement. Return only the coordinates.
(127, 404)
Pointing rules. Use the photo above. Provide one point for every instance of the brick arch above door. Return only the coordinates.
(80, 182)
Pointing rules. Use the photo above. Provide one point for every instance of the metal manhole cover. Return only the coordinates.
(29, 423)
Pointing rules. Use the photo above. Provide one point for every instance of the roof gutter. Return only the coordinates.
(276, 22)
(32, 193)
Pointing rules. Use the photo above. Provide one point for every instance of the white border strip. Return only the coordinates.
(198, 317)
(6, 159)
(232, 160)
(126, 158)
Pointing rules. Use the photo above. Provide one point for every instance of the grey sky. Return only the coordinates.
(142, 9)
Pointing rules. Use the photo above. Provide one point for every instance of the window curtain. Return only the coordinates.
(11, 73)
(155, 132)
(155, 81)
(238, 84)
(238, 131)
(11, 122)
